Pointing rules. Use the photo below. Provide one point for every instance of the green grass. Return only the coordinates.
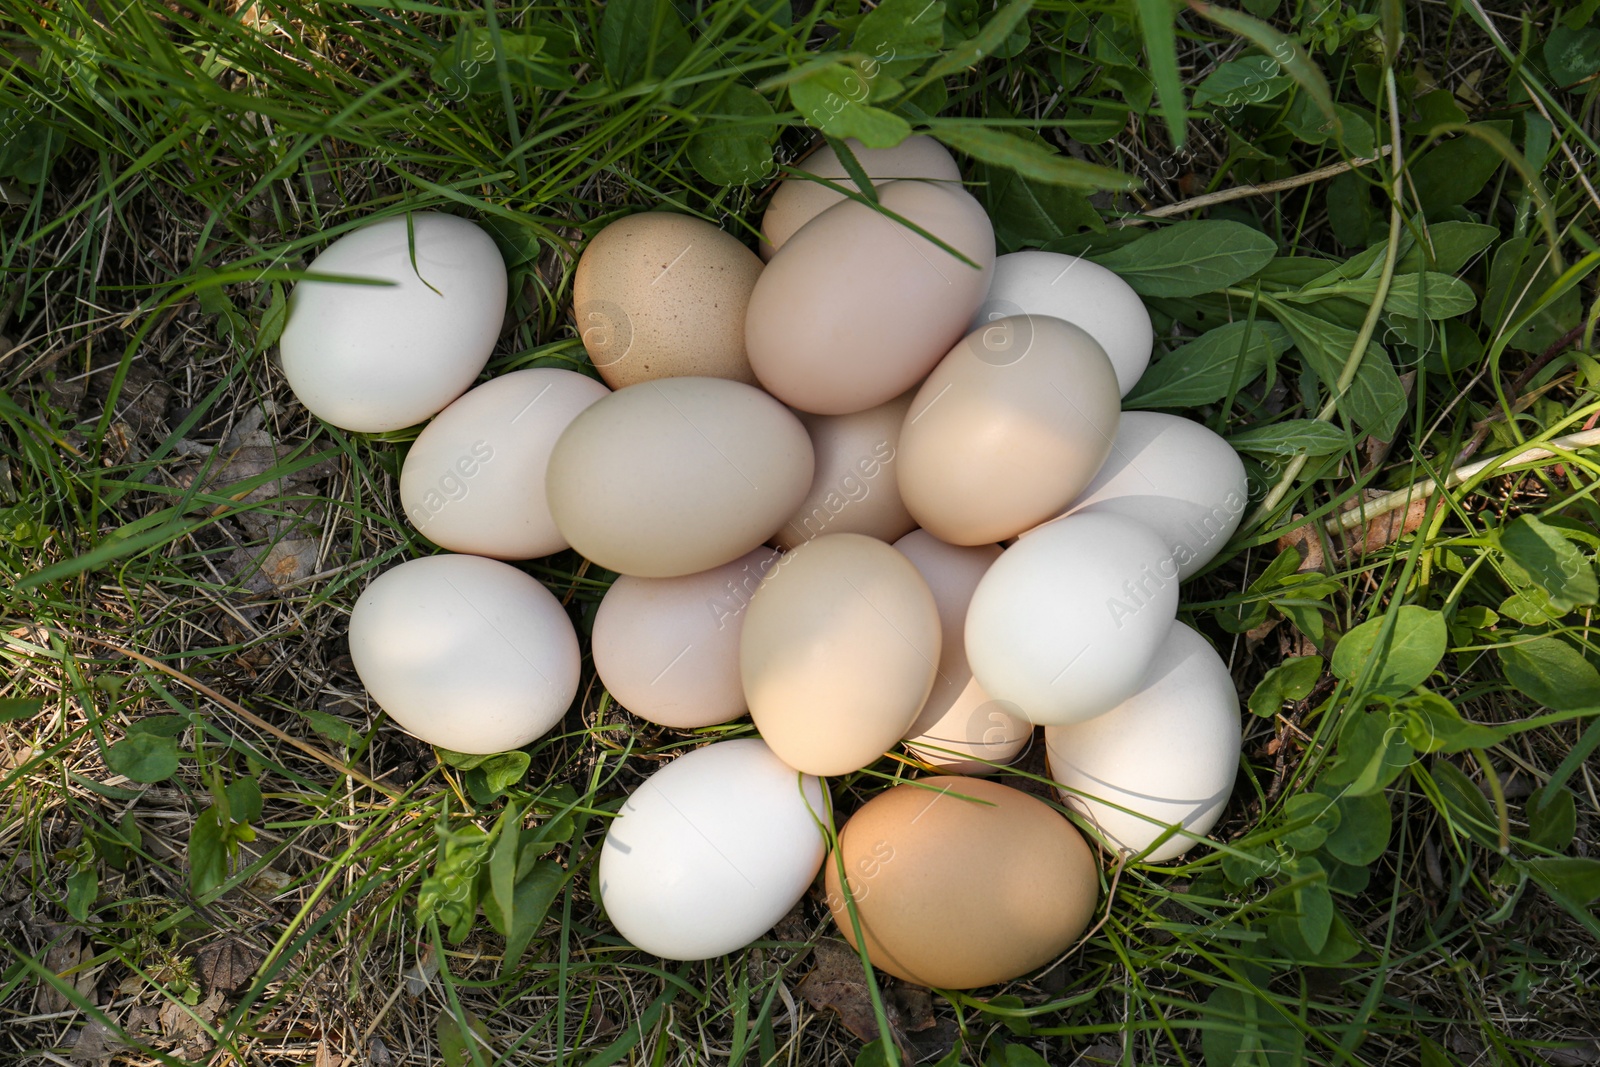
(1406, 870)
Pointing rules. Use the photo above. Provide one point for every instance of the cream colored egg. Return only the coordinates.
(1081, 292)
(464, 652)
(855, 489)
(1168, 754)
(857, 308)
(838, 653)
(474, 479)
(712, 850)
(1009, 428)
(677, 476)
(660, 295)
(372, 358)
(1176, 477)
(960, 729)
(1066, 621)
(797, 201)
(667, 649)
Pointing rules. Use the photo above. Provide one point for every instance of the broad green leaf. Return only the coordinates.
(1029, 213)
(834, 99)
(208, 852)
(1417, 644)
(1291, 437)
(1429, 294)
(733, 145)
(160, 725)
(1432, 724)
(1284, 933)
(1293, 679)
(1324, 818)
(1447, 247)
(1467, 808)
(1530, 606)
(991, 40)
(1551, 561)
(1453, 171)
(641, 39)
(1571, 55)
(1575, 879)
(535, 893)
(332, 727)
(1158, 21)
(273, 319)
(244, 800)
(1362, 835)
(504, 770)
(1552, 818)
(900, 34)
(1376, 401)
(1283, 49)
(469, 62)
(1028, 158)
(455, 1041)
(144, 757)
(1316, 913)
(1190, 258)
(1551, 672)
(14, 709)
(1201, 371)
(1519, 276)
(83, 887)
(1351, 213)
(1371, 754)
(503, 868)
(1251, 79)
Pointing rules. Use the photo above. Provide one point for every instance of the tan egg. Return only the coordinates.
(1010, 426)
(838, 652)
(960, 726)
(659, 295)
(855, 489)
(961, 882)
(798, 201)
(667, 649)
(677, 476)
(857, 308)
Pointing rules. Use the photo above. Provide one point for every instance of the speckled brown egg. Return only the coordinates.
(962, 882)
(659, 295)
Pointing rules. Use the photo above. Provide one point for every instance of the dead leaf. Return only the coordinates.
(65, 954)
(97, 1043)
(227, 965)
(1377, 532)
(838, 983)
(326, 1057)
(378, 1054)
(419, 975)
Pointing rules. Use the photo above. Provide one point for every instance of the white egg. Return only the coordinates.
(960, 730)
(667, 649)
(712, 850)
(1174, 476)
(1081, 292)
(464, 652)
(1065, 622)
(372, 358)
(1169, 753)
(474, 480)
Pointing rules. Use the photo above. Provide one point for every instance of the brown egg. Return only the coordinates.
(857, 307)
(855, 489)
(798, 201)
(962, 882)
(1007, 430)
(838, 652)
(659, 295)
(677, 476)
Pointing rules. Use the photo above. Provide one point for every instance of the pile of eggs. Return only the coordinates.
(803, 466)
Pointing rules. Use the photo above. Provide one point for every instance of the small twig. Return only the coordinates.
(1240, 192)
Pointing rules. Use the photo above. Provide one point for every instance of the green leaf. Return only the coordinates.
(1247, 1032)
(1315, 904)
(332, 727)
(1029, 213)
(1362, 835)
(1371, 754)
(1158, 21)
(534, 895)
(1453, 172)
(1571, 55)
(1351, 214)
(144, 757)
(456, 1041)
(503, 867)
(1447, 247)
(273, 319)
(1519, 276)
(1570, 879)
(468, 62)
(14, 709)
(208, 852)
(1282, 48)
(991, 40)
(1465, 805)
(1293, 679)
(244, 800)
(1552, 818)
(1030, 159)
(900, 34)
(1251, 79)
(1292, 437)
(1551, 672)
(1376, 401)
(834, 99)
(1551, 561)
(1191, 258)
(1432, 724)
(734, 146)
(1418, 639)
(1322, 812)
(641, 39)
(1427, 294)
(503, 770)
(160, 725)
(1204, 369)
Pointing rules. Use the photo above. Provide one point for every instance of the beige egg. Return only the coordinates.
(961, 882)
(855, 489)
(1009, 428)
(677, 476)
(857, 308)
(659, 295)
(961, 729)
(474, 479)
(667, 649)
(798, 201)
(838, 652)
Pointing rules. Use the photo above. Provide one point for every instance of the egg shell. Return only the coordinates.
(677, 476)
(959, 720)
(712, 850)
(962, 882)
(659, 295)
(473, 481)
(838, 652)
(1066, 621)
(1176, 477)
(857, 307)
(798, 201)
(1081, 292)
(464, 652)
(667, 649)
(855, 489)
(1169, 752)
(373, 358)
(1008, 429)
